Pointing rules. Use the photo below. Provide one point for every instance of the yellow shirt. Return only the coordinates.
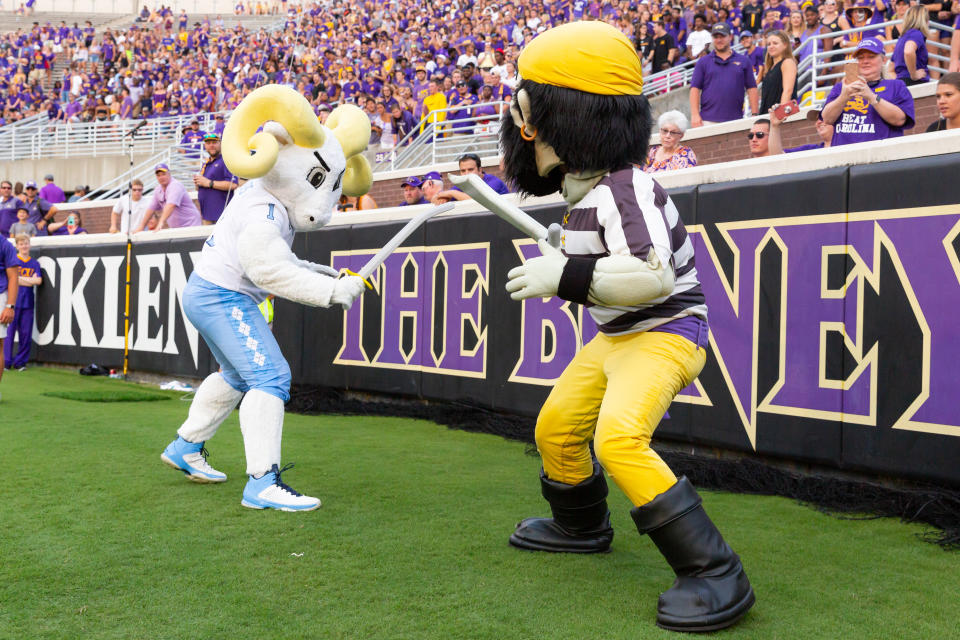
(434, 103)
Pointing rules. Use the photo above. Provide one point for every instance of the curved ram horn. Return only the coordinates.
(270, 102)
(352, 128)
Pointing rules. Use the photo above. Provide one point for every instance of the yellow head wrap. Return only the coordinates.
(589, 56)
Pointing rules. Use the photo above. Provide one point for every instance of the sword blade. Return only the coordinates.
(474, 186)
(373, 263)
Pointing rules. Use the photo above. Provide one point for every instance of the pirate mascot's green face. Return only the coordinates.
(580, 125)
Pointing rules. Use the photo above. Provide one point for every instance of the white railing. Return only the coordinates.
(42, 138)
(182, 160)
(821, 69)
(674, 77)
(432, 142)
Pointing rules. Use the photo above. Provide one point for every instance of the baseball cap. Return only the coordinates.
(23, 206)
(49, 176)
(720, 29)
(746, 33)
(813, 115)
(413, 181)
(432, 175)
(211, 136)
(869, 44)
(161, 167)
(219, 117)
(30, 185)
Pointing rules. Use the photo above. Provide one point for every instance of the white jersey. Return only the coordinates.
(220, 261)
(131, 219)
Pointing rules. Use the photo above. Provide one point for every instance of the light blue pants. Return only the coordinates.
(238, 336)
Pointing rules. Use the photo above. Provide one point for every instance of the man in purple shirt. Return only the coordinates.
(171, 200)
(51, 192)
(214, 182)
(869, 108)
(719, 82)
(9, 284)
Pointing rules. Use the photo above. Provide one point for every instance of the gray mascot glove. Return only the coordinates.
(346, 290)
(538, 277)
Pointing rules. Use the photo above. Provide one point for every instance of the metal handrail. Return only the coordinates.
(819, 66)
(434, 140)
(45, 139)
(182, 160)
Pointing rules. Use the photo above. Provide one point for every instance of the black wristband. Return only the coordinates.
(576, 278)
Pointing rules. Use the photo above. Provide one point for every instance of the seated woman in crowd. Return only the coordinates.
(69, 227)
(670, 154)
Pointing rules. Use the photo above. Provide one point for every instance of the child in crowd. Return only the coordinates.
(22, 227)
(22, 325)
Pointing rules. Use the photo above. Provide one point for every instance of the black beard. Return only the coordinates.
(520, 162)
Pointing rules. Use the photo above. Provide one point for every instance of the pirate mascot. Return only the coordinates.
(580, 125)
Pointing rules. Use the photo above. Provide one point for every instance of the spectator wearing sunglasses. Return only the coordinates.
(759, 137)
(129, 211)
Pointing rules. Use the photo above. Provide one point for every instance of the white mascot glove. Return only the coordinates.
(538, 277)
(346, 290)
(318, 268)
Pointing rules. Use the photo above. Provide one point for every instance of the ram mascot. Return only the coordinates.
(297, 169)
(580, 125)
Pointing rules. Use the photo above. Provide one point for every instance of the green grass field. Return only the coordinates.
(101, 540)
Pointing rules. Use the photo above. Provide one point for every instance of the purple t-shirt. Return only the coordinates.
(213, 201)
(64, 231)
(8, 258)
(899, 59)
(859, 122)
(723, 84)
(757, 57)
(804, 147)
(28, 268)
(184, 213)
(52, 193)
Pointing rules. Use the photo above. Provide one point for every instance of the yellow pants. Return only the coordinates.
(615, 391)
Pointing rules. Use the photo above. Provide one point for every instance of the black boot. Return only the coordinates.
(711, 590)
(580, 523)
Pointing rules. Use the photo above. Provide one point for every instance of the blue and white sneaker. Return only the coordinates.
(269, 492)
(191, 458)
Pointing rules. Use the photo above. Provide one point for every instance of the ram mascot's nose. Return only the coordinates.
(251, 154)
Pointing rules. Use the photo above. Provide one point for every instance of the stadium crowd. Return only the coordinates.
(399, 60)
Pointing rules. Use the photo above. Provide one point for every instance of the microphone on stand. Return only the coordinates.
(139, 126)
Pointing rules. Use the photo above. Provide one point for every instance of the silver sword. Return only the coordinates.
(474, 186)
(373, 263)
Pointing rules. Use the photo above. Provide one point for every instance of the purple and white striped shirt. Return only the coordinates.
(629, 213)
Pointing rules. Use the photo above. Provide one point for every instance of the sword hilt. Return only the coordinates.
(348, 272)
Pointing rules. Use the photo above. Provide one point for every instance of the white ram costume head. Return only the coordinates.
(304, 164)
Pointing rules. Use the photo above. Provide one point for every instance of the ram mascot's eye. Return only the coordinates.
(336, 185)
(316, 176)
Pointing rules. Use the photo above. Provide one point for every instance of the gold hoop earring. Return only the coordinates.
(529, 137)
